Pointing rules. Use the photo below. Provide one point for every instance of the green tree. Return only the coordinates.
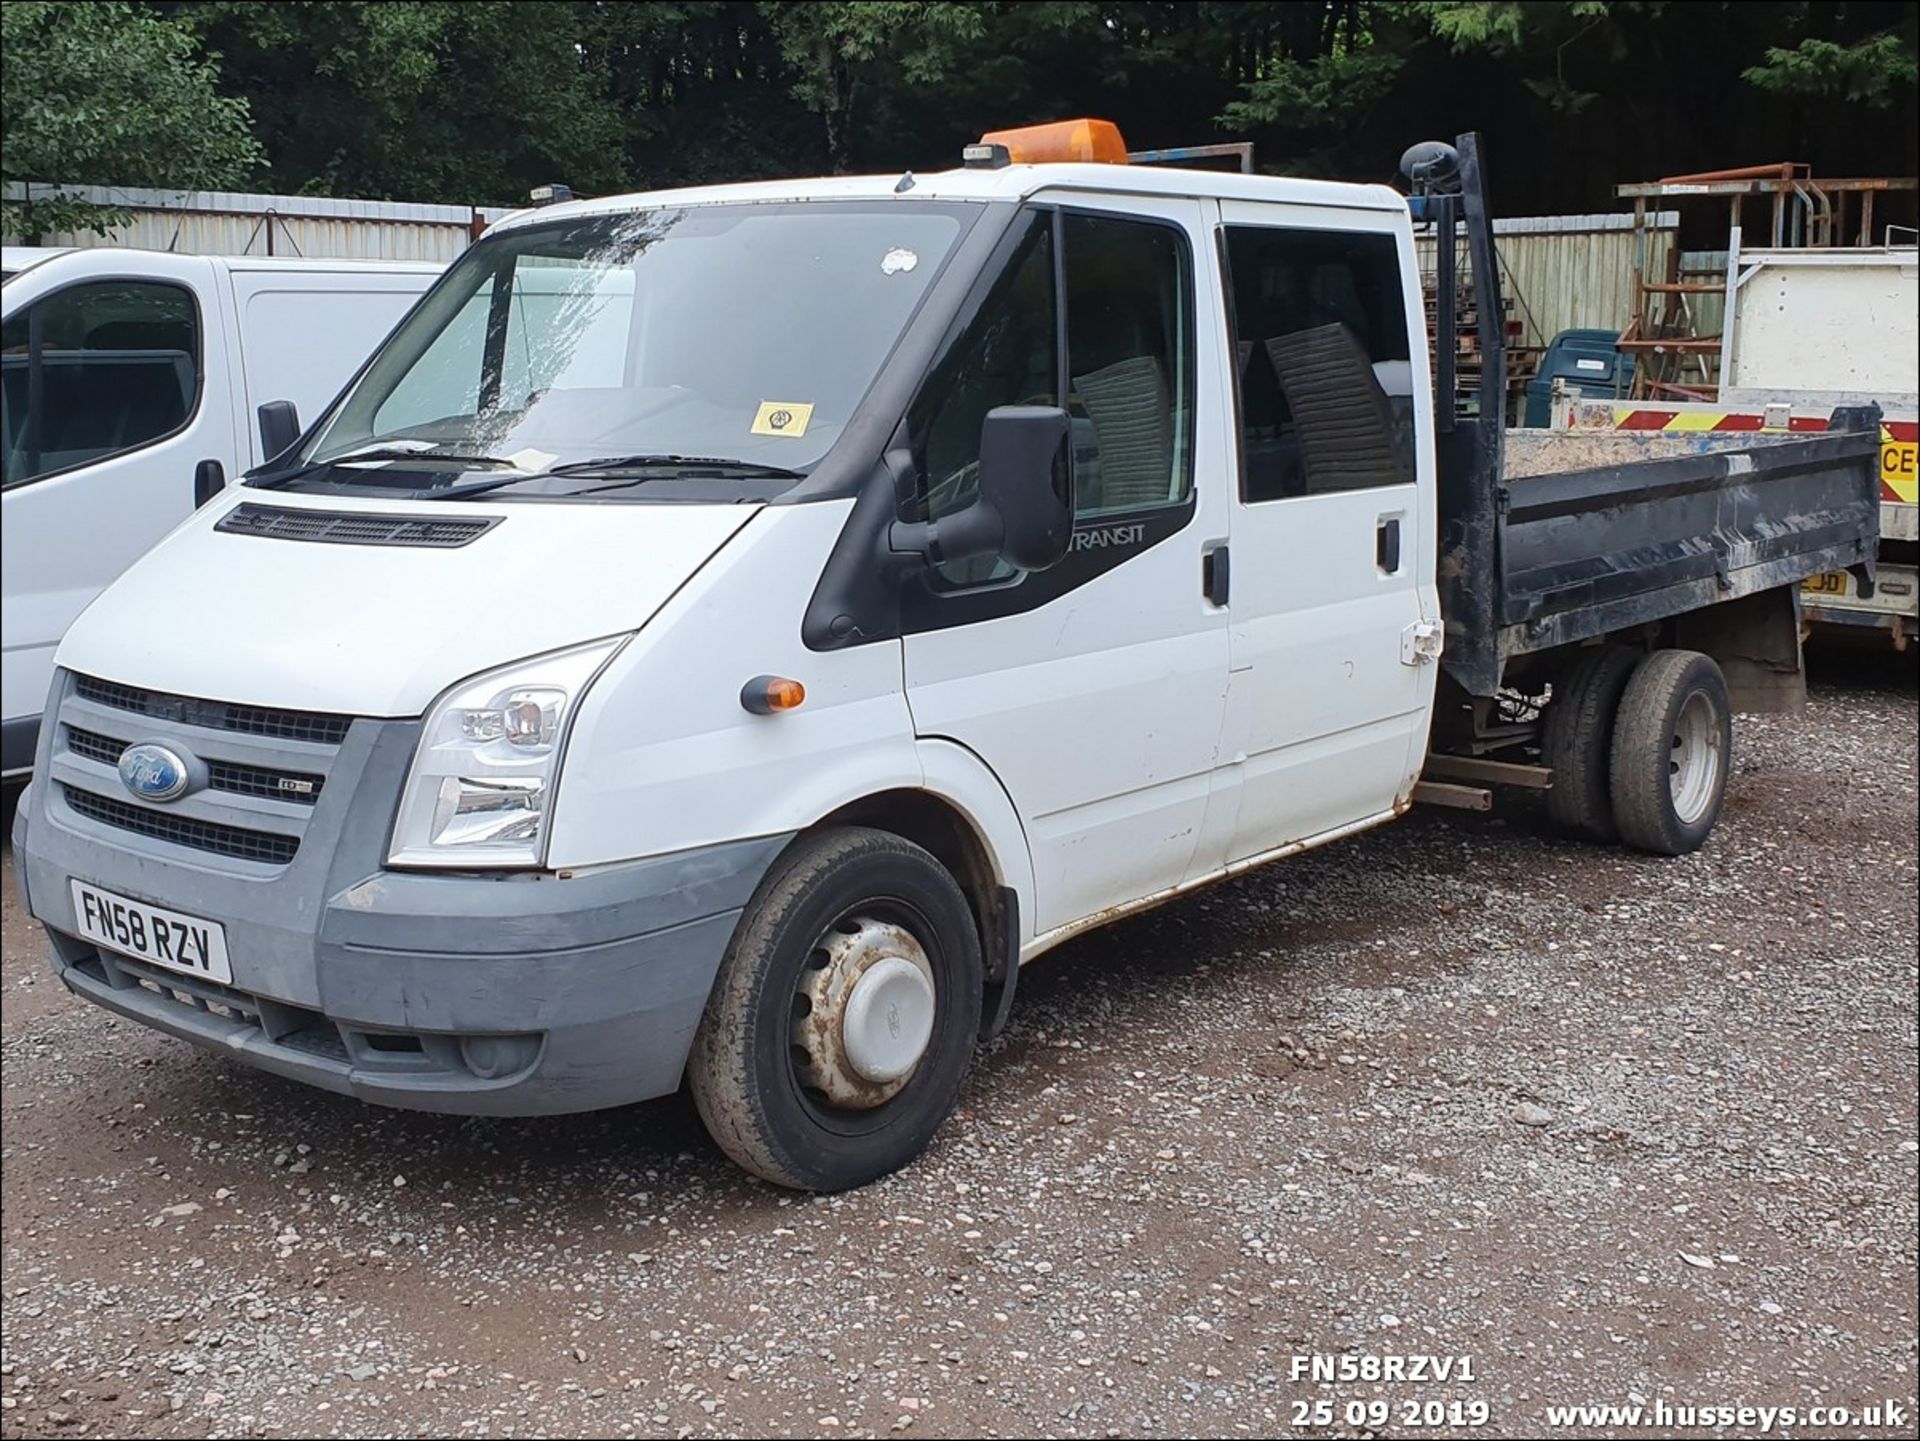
(837, 51)
(1872, 72)
(474, 102)
(104, 94)
(463, 102)
(1315, 70)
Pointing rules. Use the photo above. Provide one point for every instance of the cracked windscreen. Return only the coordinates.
(716, 340)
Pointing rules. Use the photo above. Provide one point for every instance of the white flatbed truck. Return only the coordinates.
(724, 634)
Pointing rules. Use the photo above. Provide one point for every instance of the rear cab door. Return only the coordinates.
(1333, 520)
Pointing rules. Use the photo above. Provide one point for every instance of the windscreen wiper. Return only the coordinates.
(611, 464)
(387, 452)
(665, 465)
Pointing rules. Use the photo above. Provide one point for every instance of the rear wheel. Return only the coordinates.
(843, 1018)
(1577, 740)
(1672, 752)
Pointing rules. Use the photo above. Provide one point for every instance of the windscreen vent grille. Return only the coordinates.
(355, 527)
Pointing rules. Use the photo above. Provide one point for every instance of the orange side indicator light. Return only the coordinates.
(1097, 141)
(771, 694)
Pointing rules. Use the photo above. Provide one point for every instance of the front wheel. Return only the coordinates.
(840, 1026)
(1672, 752)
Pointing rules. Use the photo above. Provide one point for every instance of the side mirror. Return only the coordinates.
(279, 429)
(1023, 511)
(209, 479)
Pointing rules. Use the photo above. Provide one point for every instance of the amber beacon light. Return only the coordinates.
(1070, 140)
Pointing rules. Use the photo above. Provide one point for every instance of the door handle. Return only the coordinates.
(1215, 574)
(209, 479)
(1386, 545)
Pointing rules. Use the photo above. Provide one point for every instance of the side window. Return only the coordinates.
(1129, 397)
(96, 370)
(1130, 357)
(1008, 356)
(1325, 374)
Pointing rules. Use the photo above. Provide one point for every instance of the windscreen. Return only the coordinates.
(744, 334)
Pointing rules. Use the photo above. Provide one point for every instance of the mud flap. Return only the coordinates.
(1003, 966)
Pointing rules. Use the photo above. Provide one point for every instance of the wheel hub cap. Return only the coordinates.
(1693, 768)
(863, 1013)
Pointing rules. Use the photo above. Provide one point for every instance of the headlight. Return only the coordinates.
(481, 788)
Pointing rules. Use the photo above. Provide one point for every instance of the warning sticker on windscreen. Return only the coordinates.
(783, 417)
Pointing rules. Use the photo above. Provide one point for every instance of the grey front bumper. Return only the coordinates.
(474, 994)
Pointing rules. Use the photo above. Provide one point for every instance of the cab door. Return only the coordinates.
(1094, 689)
(114, 391)
(1333, 523)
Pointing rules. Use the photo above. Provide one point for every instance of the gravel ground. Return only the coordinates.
(1617, 1128)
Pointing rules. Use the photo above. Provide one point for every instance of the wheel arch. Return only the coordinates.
(963, 817)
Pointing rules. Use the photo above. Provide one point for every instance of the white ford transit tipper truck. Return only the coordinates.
(132, 382)
(723, 634)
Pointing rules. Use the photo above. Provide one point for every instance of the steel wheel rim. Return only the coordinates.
(863, 1014)
(1695, 759)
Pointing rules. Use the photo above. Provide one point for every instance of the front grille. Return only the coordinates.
(294, 1027)
(347, 527)
(291, 725)
(259, 781)
(299, 787)
(196, 991)
(94, 746)
(322, 1040)
(236, 841)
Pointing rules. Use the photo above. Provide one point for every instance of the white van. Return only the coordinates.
(16, 258)
(724, 634)
(132, 380)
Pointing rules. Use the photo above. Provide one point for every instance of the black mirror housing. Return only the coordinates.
(279, 429)
(1024, 509)
(1026, 477)
(209, 479)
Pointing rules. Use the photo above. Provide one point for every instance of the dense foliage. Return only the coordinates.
(476, 101)
(110, 95)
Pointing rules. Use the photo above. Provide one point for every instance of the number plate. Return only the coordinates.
(1834, 582)
(151, 933)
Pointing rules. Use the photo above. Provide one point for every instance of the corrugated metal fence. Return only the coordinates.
(1562, 272)
(214, 222)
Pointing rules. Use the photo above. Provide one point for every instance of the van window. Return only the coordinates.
(1008, 356)
(1129, 396)
(96, 370)
(447, 379)
(1130, 354)
(1325, 373)
(744, 333)
(565, 323)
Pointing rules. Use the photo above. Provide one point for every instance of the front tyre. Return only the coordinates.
(1672, 752)
(841, 1023)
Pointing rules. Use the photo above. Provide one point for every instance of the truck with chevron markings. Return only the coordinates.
(1807, 331)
